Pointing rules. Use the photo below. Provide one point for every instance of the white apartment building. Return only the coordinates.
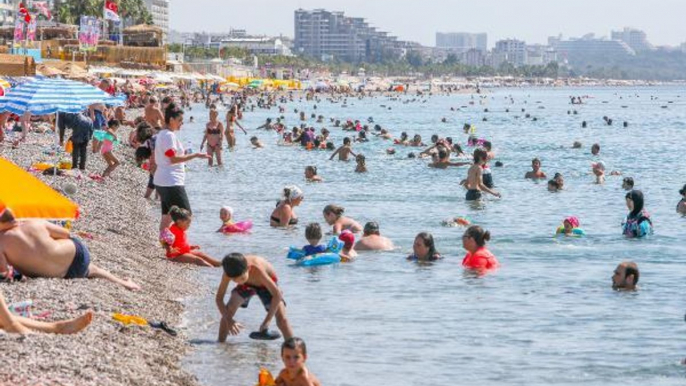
(8, 8)
(159, 10)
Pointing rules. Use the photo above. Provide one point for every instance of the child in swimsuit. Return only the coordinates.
(253, 275)
(313, 234)
(108, 146)
(226, 215)
(361, 164)
(311, 174)
(213, 136)
(294, 356)
(256, 142)
(570, 227)
(178, 249)
(348, 252)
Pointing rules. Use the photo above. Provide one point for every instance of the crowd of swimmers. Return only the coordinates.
(40, 249)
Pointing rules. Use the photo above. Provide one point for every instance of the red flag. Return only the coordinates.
(23, 12)
(111, 11)
(112, 6)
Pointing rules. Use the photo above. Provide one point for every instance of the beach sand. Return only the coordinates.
(124, 230)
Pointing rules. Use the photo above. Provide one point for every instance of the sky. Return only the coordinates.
(419, 20)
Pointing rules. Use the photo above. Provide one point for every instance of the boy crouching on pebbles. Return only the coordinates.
(253, 275)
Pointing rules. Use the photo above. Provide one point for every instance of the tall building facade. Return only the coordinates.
(512, 51)
(159, 10)
(589, 46)
(8, 8)
(462, 42)
(634, 38)
(328, 35)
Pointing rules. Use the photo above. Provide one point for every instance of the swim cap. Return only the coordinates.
(292, 192)
(573, 221)
(348, 238)
(228, 209)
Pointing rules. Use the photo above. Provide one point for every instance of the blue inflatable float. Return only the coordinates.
(329, 257)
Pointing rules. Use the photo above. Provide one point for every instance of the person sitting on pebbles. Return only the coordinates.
(37, 248)
(14, 324)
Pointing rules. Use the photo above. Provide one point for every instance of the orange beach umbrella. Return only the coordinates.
(29, 197)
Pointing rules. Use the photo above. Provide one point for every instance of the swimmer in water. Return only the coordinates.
(347, 253)
(361, 164)
(553, 186)
(333, 214)
(424, 248)
(384, 134)
(536, 172)
(598, 169)
(226, 215)
(560, 180)
(403, 139)
(681, 206)
(372, 240)
(475, 184)
(311, 174)
(344, 151)
(257, 144)
(595, 149)
(478, 257)
(568, 226)
(443, 161)
(628, 184)
(625, 277)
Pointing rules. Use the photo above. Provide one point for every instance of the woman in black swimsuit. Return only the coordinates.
(284, 214)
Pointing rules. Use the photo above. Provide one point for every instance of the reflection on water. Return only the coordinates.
(548, 316)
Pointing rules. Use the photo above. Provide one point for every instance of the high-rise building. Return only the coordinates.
(328, 35)
(8, 8)
(512, 51)
(462, 42)
(634, 38)
(589, 46)
(159, 10)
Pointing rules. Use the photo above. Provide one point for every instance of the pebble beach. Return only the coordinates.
(119, 227)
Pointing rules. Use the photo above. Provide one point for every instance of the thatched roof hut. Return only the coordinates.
(46, 70)
(17, 65)
(143, 35)
(59, 31)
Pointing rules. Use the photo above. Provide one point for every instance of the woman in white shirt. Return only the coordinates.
(170, 156)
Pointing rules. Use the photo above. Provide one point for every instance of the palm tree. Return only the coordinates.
(70, 11)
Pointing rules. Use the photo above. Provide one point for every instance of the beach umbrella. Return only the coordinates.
(29, 197)
(48, 96)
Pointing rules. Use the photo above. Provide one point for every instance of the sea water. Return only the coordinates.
(548, 316)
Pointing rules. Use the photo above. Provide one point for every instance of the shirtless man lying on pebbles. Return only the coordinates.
(19, 325)
(38, 248)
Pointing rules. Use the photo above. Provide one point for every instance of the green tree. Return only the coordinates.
(70, 11)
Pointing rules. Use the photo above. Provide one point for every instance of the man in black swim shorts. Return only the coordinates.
(38, 248)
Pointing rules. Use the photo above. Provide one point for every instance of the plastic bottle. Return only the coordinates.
(189, 148)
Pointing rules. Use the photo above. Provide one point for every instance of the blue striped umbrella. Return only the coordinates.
(48, 96)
